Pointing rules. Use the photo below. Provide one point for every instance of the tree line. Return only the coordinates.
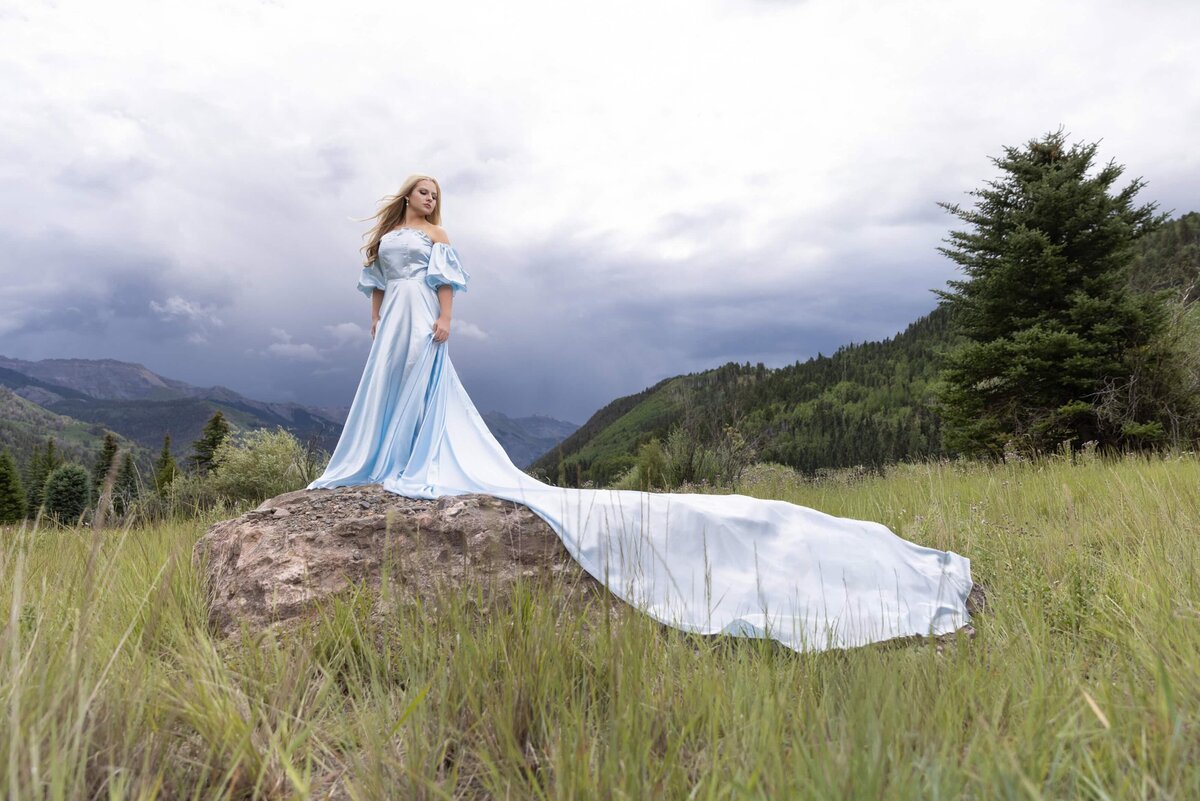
(66, 491)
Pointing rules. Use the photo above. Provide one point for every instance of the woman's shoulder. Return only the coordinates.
(438, 234)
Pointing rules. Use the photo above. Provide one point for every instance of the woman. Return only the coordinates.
(704, 563)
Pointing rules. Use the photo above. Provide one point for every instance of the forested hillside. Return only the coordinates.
(24, 425)
(1170, 259)
(867, 404)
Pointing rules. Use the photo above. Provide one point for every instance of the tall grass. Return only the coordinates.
(1082, 681)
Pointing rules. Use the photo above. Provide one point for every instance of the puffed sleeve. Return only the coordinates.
(371, 278)
(445, 268)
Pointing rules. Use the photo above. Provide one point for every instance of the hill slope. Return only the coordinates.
(867, 404)
(23, 424)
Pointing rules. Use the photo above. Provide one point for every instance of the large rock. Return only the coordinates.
(278, 562)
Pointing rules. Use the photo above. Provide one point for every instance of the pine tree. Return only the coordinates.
(214, 433)
(12, 494)
(68, 493)
(41, 464)
(165, 468)
(1046, 308)
(108, 452)
(126, 489)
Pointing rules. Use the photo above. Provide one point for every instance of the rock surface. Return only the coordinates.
(278, 562)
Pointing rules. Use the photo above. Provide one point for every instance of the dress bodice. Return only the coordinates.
(404, 253)
(409, 253)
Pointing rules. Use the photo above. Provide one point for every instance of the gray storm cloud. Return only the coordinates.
(728, 180)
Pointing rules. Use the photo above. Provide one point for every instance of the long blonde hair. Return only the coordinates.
(391, 214)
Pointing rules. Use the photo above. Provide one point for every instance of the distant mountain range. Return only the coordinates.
(76, 400)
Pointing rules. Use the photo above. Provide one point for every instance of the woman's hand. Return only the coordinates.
(374, 325)
(441, 329)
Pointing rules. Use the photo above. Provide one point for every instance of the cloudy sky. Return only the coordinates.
(639, 189)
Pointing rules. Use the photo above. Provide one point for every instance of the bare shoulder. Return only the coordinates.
(438, 234)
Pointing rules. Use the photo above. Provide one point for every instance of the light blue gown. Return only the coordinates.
(703, 563)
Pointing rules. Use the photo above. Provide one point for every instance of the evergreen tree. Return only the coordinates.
(12, 494)
(68, 493)
(1046, 307)
(214, 433)
(126, 489)
(41, 464)
(108, 452)
(165, 468)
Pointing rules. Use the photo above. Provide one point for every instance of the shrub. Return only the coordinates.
(67, 493)
(189, 495)
(261, 464)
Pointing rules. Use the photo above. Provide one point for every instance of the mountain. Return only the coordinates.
(137, 403)
(32, 389)
(526, 438)
(867, 404)
(113, 380)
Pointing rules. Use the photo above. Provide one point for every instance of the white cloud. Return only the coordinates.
(295, 352)
(285, 348)
(177, 308)
(346, 334)
(198, 318)
(469, 330)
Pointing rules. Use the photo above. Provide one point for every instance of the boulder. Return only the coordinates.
(277, 563)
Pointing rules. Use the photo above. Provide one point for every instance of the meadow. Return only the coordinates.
(1082, 679)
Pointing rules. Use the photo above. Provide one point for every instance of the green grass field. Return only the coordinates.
(1083, 680)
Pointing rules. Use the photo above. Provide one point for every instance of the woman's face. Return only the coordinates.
(423, 198)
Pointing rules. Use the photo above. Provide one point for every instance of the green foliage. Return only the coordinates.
(1158, 401)
(41, 464)
(165, 469)
(189, 495)
(651, 466)
(1170, 260)
(1046, 306)
(261, 464)
(104, 462)
(68, 493)
(127, 489)
(12, 493)
(684, 461)
(204, 449)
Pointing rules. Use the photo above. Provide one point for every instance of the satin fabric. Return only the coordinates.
(703, 563)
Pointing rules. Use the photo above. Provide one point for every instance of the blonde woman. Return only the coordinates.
(704, 563)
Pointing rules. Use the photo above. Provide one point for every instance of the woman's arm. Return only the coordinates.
(376, 303)
(445, 293)
(441, 328)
